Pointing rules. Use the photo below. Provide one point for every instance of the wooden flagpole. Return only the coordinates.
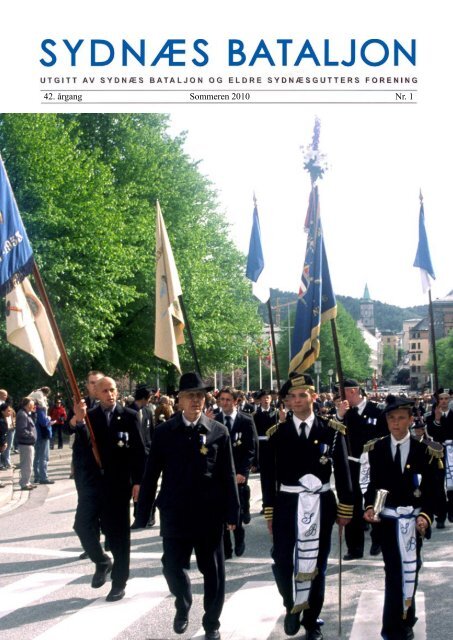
(64, 356)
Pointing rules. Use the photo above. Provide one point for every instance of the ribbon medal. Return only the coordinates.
(324, 449)
(123, 438)
(237, 439)
(416, 481)
(203, 448)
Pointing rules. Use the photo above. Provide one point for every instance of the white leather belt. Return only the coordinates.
(263, 438)
(353, 459)
(290, 488)
(389, 512)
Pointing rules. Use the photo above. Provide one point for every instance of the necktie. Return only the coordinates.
(302, 432)
(228, 422)
(108, 416)
(397, 459)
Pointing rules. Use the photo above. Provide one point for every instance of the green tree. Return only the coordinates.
(444, 351)
(86, 185)
(389, 362)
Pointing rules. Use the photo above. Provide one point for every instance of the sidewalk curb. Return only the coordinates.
(12, 495)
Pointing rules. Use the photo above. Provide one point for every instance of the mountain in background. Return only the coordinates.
(388, 317)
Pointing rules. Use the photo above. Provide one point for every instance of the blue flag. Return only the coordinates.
(316, 302)
(255, 261)
(423, 258)
(16, 255)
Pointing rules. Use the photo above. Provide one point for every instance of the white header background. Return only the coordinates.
(380, 156)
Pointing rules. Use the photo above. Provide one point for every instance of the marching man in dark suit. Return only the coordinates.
(300, 506)
(104, 497)
(198, 495)
(363, 421)
(242, 435)
(406, 468)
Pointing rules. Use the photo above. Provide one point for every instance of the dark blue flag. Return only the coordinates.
(423, 258)
(16, 255)
(316, 302)
(255, 261)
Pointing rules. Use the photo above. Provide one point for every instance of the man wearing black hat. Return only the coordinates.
(440, 428)
(198, 495)
(300, 506)
(406, 469)
(363, 421)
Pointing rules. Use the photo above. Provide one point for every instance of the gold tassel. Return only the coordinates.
(303, 577)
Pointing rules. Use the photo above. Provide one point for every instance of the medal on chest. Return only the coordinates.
(203, 447)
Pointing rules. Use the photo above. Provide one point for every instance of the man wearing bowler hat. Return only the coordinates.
(404, 471)
(198, 495)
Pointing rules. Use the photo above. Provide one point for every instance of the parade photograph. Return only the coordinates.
(226, 346)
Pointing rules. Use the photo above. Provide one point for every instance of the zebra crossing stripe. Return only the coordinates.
(142, 595)
(251, 613)
(368, 617)
(21, 593)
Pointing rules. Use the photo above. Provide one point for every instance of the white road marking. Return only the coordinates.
(250, 613)
(368, 617)
(21, 593)
(107, 619)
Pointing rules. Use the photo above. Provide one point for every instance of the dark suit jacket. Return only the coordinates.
(365, 427)
(290, 457)
(198, 489)
(403, 487)
(120, 447)
(264, 420)
(243, 441)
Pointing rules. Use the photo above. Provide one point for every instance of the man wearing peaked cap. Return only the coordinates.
(440, 428)
(300, 506)
(264, 418)
(363, 421)
(406, 471)
(197, 496)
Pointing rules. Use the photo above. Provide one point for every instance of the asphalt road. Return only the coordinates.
(45, 590)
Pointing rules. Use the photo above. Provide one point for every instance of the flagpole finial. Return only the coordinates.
(315, 162)
(421, 196)
(255, 201)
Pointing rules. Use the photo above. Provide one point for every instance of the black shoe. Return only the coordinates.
(47, 481)
(450, 518)
(116, 593)
(100, 575)
(375, 549)
(246, 518)
(239, 550)
(84, 556)
(314, 634)
(352, 556)
(135, 525)
(214, 634)
(291, 624)
(228, 555)
(151, 522)
(440, 525)
(180, 623)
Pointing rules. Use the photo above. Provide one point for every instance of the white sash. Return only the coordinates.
(307, 543)
(364, 477)
(449, 464)
(407, 543)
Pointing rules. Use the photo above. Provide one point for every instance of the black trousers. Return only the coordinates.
(239, 532)
(109, 511)
(394, 627)
(284, 538)
(208, 548)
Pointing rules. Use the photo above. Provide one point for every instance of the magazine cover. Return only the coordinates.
(245, 196)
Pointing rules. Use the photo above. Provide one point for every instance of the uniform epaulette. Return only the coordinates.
(369, 446)
(270, 432)
(435, 450)
(338, 426)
